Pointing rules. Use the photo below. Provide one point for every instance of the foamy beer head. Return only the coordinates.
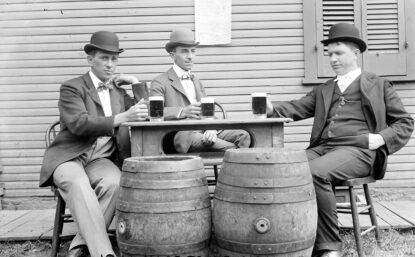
(208, 107)
(259, 104)
(156, 106)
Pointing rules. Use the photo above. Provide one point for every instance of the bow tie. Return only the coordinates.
(187, 76)
(103, 86)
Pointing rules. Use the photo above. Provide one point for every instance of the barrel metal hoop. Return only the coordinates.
(158, 249)
(306, 194)
(168, 207)
(131, 182)
(264, 182)
(265, 248)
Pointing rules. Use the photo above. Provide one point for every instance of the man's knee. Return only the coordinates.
(108, 185)
(245, 140)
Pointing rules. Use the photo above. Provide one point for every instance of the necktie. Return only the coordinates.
(103, 86)
(187, 76)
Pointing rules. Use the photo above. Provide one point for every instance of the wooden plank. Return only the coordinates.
(30, 226)
(390, 218)
(7, 217)
(346, 221)
(157, 60)
(404, 209)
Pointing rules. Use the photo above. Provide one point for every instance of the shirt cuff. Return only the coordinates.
(180, 113)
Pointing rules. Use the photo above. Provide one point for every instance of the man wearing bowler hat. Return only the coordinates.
(358, 120)
(84, 159)
(182, 92)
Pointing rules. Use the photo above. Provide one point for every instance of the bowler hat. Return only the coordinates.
(181, 37)
(105, 41)
(345, 32)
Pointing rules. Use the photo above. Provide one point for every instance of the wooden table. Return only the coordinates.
(147, 137)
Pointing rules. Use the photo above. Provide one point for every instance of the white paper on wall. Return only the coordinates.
(213, 21)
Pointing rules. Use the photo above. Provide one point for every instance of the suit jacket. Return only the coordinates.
(382, 107)
(168, 85)
(82, 120)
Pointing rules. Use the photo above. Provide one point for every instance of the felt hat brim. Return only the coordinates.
(170, 45)
(360, 43)
(89, 47)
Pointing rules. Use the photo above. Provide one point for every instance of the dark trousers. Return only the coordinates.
(330, 165)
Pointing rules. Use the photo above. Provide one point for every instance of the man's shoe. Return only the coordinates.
(331, 254)
(78, 251)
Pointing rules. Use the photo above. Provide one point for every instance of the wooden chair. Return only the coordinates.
(60, 216)
(355, 209)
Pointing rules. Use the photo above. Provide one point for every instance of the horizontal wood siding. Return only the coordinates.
(41, 46)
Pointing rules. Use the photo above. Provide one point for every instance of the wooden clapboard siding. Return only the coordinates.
(41, 46)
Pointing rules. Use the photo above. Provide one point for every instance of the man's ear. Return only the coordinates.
(89, 58)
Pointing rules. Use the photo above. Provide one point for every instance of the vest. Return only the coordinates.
(346, 124)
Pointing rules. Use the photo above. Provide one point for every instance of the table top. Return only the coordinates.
(191, 122)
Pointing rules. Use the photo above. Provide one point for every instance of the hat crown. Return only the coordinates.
(182, 35)
(343, 30)
(104, 40)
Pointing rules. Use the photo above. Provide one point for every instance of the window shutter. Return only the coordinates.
(384, 31)
(330, 13)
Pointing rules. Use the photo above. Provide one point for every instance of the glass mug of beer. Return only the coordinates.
(259, 105)
(208, 107)
(156, 108)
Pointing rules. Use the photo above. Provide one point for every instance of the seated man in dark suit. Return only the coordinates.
(84, 159)
(182, 92)
(358, 120)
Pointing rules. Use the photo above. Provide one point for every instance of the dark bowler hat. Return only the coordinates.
(181, 37)
(105, 41)
(345, 32)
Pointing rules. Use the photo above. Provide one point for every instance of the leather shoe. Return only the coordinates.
(331, 254)
(78, 251)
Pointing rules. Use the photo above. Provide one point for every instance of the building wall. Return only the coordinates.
(41, 46)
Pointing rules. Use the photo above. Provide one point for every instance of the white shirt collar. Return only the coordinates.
(94, 79)
(350, 76)
(179, 71)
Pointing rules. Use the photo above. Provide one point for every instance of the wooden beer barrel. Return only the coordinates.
(264, 204)
(163, 207)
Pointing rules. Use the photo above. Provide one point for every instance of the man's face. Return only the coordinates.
(183, 56)
(343, 58)
(103, 64)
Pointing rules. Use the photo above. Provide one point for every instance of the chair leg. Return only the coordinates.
(372, 213)
(215, 171)
(356, 224)
(58, 226)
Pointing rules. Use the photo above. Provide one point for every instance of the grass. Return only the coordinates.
(394, 244)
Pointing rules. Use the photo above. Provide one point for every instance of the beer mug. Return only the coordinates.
(156, 108)
(208, 107)
(259, 105)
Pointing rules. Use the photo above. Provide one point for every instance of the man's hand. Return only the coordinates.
(136, 112)
(375, 141)
(270, 108)
(124, 79)
(209, 137)
(192, 111)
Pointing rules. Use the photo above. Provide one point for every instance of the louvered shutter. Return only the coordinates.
(384, 31)
(382, 27)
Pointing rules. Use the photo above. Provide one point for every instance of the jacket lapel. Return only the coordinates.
(327, 93)
(92, 91)
(366, 86)
(115, 100)
(175, 82)
(198, 90)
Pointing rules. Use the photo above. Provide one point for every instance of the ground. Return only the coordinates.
(395, 243)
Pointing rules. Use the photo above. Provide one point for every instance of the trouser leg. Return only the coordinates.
(90, 200)
(238, 137)
(329, 166)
